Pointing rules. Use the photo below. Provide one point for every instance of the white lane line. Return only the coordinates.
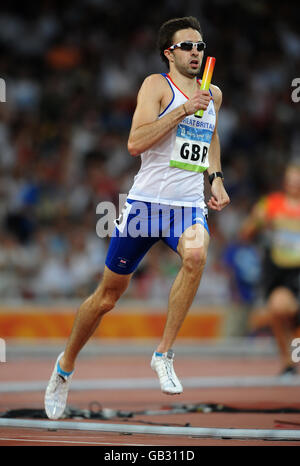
(149, 383)
(201, 432)
(8, 439)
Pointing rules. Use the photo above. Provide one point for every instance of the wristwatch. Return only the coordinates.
(215, 175)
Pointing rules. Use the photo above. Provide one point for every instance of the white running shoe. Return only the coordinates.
(57, 393)
(163, 365)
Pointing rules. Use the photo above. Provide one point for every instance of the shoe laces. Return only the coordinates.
(58, 382)
(165, 367)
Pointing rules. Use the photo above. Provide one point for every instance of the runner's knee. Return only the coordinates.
(109, 299)
(194, 260)
(106, 296)
(282, 303)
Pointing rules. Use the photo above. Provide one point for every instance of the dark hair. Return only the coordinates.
(169, 28)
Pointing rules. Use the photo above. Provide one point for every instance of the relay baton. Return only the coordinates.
(206, 79)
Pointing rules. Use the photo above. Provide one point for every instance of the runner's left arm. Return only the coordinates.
(219, 197)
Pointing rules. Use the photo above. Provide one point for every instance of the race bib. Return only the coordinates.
(193, 137)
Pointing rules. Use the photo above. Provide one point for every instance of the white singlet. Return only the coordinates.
(171, 171)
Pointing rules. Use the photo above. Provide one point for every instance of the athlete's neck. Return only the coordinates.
(187, 84)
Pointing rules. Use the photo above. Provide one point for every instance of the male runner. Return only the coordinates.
(277, 217)
(175, 149)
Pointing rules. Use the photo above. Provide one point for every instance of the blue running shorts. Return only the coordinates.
(141, 225)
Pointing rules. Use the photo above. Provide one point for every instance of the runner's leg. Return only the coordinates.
(282, 306)
(192, 248)
(89, 314)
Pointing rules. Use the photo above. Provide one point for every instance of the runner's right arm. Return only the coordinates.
(147, 129)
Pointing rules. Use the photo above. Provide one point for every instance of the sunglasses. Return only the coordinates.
(188, 46)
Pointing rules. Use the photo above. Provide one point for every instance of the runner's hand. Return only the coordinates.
(219, 198)
(199, 101)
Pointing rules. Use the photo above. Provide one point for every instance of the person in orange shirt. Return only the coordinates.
(277, 217)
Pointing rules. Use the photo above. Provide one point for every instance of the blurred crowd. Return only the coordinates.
(72, 72)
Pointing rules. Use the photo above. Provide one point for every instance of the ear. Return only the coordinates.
(169, 55)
